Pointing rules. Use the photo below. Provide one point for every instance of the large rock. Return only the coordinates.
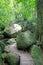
(25, 40)
(12, 31)
(7, 49)
(12, 59)
(37, 55)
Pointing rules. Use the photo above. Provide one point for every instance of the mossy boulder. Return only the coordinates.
(11, 41)
(37, 55)
(11, 59)
(2, 45)
(25, 40)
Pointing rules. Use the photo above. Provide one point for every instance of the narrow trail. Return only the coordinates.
(25, 57)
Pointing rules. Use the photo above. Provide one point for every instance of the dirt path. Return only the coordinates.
(25, 57)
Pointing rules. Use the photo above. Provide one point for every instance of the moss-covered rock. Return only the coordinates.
(37, 55)
(11, 41)
(2, 45)
(12, 59)
(25, 40)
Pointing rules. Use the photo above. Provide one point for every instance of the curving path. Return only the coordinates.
(25, 57)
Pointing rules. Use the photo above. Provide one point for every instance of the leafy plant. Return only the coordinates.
(2, 45)
(1, 62)
(37, 55)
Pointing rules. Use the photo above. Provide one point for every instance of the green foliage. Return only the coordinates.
(1, 26)
(12, 59)
(1, 32)
(28, 25)
(15, 10)
(37, 55)
(1, 63)
(5, 12)
(25, 40)
(2, 45)
(26, 7)
(25, 14)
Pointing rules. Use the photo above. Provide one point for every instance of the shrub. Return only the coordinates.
(12, 59)
(37, 55)
(2, 45)
(25, 40)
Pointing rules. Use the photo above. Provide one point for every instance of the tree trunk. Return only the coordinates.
(39, 27)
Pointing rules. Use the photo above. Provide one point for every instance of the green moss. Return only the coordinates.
(25, 40)
(12, 59)
(37, 55)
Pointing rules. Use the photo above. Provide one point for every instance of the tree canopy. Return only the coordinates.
(13, 10)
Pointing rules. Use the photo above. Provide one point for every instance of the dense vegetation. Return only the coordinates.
(37, 55)
(28, 14)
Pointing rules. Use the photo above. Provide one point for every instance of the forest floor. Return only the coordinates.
(25, 57)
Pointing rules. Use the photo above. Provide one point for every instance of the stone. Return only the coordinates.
(12, 31)
(11, 41)
(25, 40)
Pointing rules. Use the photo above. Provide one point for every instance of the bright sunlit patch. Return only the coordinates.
(15, 28)
(11, 3)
